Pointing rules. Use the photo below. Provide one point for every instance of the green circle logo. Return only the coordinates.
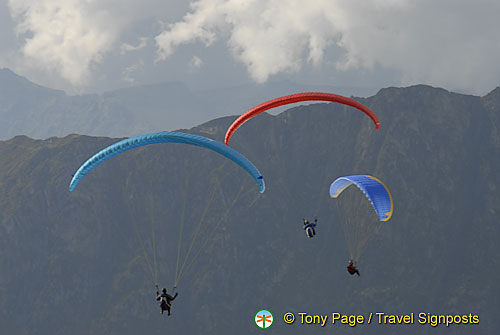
(264, 319)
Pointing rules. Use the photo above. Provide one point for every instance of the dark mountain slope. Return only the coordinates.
(71, 262)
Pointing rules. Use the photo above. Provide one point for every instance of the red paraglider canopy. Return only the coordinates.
(290, 99)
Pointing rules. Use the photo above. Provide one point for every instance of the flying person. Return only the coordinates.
(351, 268)
(309, 227)
(165, 300)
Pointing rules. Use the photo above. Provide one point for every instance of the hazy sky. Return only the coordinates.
(96, 45)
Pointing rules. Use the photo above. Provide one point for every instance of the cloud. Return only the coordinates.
(448, 43)
(124, 48)
(64, 36)
(70, 38)
(196, 63)
(128, 71)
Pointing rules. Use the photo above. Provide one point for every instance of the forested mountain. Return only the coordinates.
(74, 262)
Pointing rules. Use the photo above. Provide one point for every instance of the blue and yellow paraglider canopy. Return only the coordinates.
(167, 137)
(373, 188)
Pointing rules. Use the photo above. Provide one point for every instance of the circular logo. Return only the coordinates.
(264, 319)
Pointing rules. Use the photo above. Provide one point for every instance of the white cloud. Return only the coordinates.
(125, 47)
(196, 63)
(129, 71)
(65, 36)
(447, 43)
(70, 38)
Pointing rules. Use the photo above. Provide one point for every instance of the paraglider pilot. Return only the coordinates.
(351, 268)
(309, 227)
(165, 300)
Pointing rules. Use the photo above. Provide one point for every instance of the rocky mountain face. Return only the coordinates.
(77, 262)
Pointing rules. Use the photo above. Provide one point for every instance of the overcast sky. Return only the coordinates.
(97, 45)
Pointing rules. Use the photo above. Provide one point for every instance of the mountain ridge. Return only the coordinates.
(72, 262)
